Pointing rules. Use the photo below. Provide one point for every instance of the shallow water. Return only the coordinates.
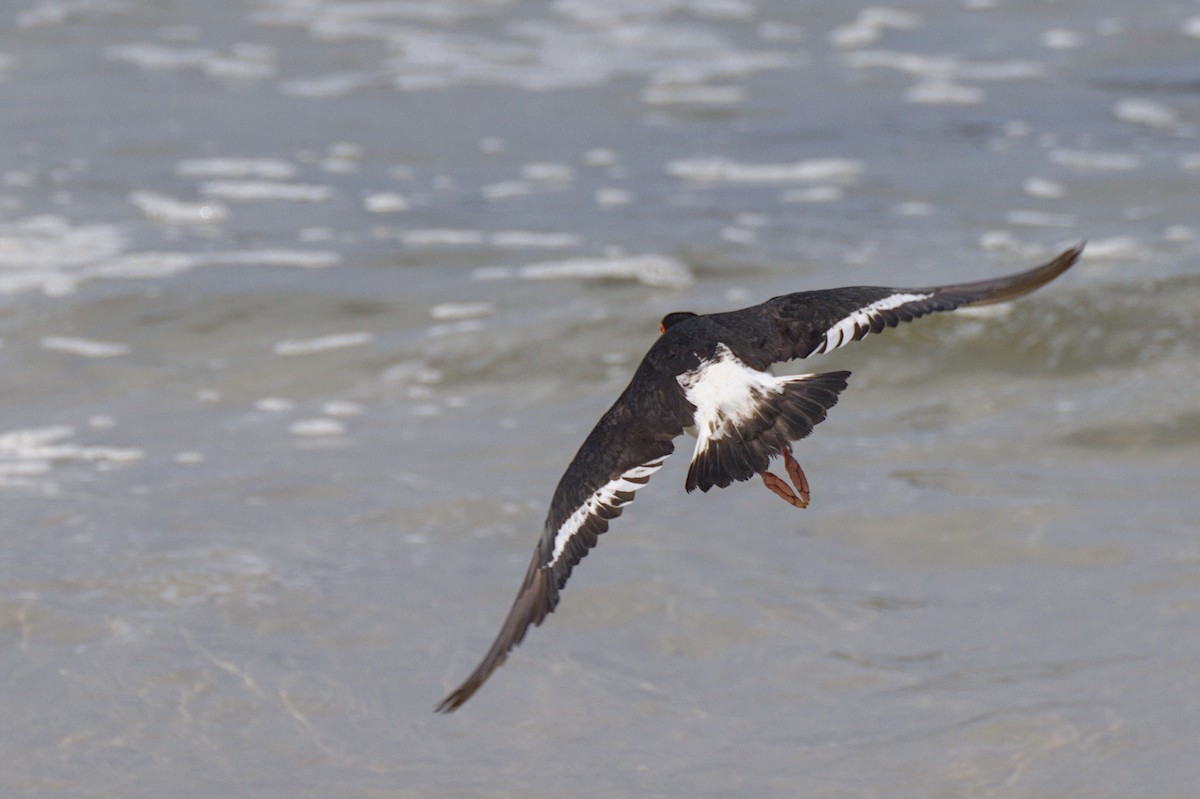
(304, 306)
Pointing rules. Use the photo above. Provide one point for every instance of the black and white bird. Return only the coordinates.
(708, 375)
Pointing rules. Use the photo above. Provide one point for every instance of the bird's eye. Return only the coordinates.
(662, 329)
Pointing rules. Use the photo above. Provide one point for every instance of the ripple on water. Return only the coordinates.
(651, 270)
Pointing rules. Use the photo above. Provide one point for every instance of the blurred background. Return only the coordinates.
(306, 304)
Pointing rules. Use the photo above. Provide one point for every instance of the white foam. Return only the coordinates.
(723, 10)
(946, 68)
(342, 408)
(258, 190)
(870, 25)
(1013, 69)
(652, 270)
(813, 194)
(317, 428)
(441, 237)
(600, 156)
(1044, 188)
(723, 170)
(502, 239)
(355, 20)
(781, 32)
(16, 441)
(1040, 219)
(265, 168)
(547, 172)
(152, 57)
(84, 347)
(913, 63)
(247, 61)
(335, 341)
(609, 196)
(142, 265)
(33, 450)
(22, 468)
(578, 43)
(494, 273)
(47, 253)
(454, 311)
(914, 208)
(456, 328)
(58, 12)
(385, 202)
(506, 189)
(1115, 248)
(244, 61)
(337, 84)
(93, 454)
(1092, 161)
(693, 95)
(274, 405)
(737, 235)
(944, 92)
(531, 240)
(1005, 241)
(1145, 112)
(164, 208)
(302, 259)
(1062, 39)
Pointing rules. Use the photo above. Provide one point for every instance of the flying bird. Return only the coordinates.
(709, 375)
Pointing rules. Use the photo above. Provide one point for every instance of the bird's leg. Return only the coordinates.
(781, 488)
(797, 474)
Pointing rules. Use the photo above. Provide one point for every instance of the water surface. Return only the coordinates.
(305, 305)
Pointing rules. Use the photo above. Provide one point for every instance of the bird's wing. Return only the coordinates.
(629, 443)
(811, 322)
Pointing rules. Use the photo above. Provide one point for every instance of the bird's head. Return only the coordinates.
(673, 319)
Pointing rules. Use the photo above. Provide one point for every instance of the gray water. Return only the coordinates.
(304, 306)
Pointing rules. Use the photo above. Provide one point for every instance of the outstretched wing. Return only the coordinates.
(811, 322)
(629, 443)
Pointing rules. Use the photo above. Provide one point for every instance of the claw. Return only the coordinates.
(797, 474)
(784, 490)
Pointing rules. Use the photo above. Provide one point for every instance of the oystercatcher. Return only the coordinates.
(708, 375)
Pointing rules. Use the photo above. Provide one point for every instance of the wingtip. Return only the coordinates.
(1065, 259)
(1009, 287)
(534, 601)
(453, 701)
(459, 696)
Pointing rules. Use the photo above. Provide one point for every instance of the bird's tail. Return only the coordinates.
(743, 449)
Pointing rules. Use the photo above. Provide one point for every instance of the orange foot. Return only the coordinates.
(782, 489)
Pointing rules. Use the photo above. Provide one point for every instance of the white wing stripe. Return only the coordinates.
(844, 331)
(604, 496)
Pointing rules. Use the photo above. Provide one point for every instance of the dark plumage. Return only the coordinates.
(708, 372)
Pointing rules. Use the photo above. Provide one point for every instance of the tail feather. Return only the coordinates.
(745, 450)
